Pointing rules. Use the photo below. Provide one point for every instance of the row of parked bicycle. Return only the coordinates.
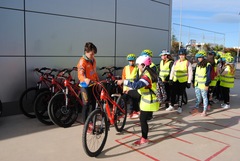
(56, 97)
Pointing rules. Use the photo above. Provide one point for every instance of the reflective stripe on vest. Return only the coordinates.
(201, 76)
(180, 71)
(164, 70)
(228, 79)
(130, 75)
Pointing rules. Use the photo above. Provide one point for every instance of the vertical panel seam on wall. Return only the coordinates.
(115, 34)
(25, 41)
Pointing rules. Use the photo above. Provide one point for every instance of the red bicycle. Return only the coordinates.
(42, 100)
(64, 106)
(111, 110)
(27, 98)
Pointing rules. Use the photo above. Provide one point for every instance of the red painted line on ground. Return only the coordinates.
(208, 129)
(217, 153)
(219, 132)
(139, 151)
(189, 156)
(211, 139)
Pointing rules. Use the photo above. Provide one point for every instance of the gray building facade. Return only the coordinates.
(52, 33)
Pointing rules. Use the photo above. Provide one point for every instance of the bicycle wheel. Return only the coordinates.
(41, 107)
(59, 113)
(120, 115)
(95, 133)
(26, 101)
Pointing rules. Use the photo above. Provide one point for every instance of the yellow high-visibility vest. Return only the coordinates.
(130, 75)
(148, 100)
(180, 71)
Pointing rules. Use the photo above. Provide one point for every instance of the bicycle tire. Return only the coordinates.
(26, 101)
(99, 127)
(41, 107)
(120, 116)
(60, 114)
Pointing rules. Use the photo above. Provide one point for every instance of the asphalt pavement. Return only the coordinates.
(174, 137)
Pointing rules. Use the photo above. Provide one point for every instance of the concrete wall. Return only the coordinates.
(52, 33)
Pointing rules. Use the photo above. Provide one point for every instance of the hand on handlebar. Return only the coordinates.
(119, 82)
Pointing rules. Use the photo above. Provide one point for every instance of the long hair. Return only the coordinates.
(203, 63)
(170, 58)
(152, 73)
(211, 60)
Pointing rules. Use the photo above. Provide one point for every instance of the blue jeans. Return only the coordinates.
(201, 94)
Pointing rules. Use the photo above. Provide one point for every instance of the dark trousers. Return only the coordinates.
(226, 94)
(177, 89)
(168, 91)
(89, 102)
(144, 117)
(135, 96)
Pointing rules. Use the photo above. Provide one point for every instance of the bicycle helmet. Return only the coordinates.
(131, 57)
(164, 52)
(182, 51)
(229, 60)
(212, 53)
(201, 54)
(146, 60)
(147, 52)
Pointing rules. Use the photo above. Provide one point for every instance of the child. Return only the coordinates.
(180, 78)
(227, 81)
(148, 102)
(87, 74)
(202, 79)
(130, 73)
(165, 67)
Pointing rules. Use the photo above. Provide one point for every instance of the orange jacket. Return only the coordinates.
(124, 72)
(87, 69)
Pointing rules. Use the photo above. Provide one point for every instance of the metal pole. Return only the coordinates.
(238, 39)
(180, 31)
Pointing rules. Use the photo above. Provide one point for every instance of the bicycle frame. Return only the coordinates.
(107, 100)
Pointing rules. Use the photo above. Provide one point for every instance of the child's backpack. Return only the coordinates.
(161, 93)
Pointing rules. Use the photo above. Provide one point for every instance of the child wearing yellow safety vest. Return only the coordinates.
(130, 73)
(227, 81)
(202, 80)
(165, 67)
(148, 102)
(180, 78)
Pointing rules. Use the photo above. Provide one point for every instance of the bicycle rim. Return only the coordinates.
(120, 116)
(60, 114)
(26, 102)
(95, 133)
(40, 107)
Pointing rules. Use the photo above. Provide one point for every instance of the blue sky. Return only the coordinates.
(220, 16)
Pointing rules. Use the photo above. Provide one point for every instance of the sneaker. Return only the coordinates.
(134, 115)
(226, 106)
(141, 141)
(223, 104)
(170, 108)
(179, 110)
(90, 128)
